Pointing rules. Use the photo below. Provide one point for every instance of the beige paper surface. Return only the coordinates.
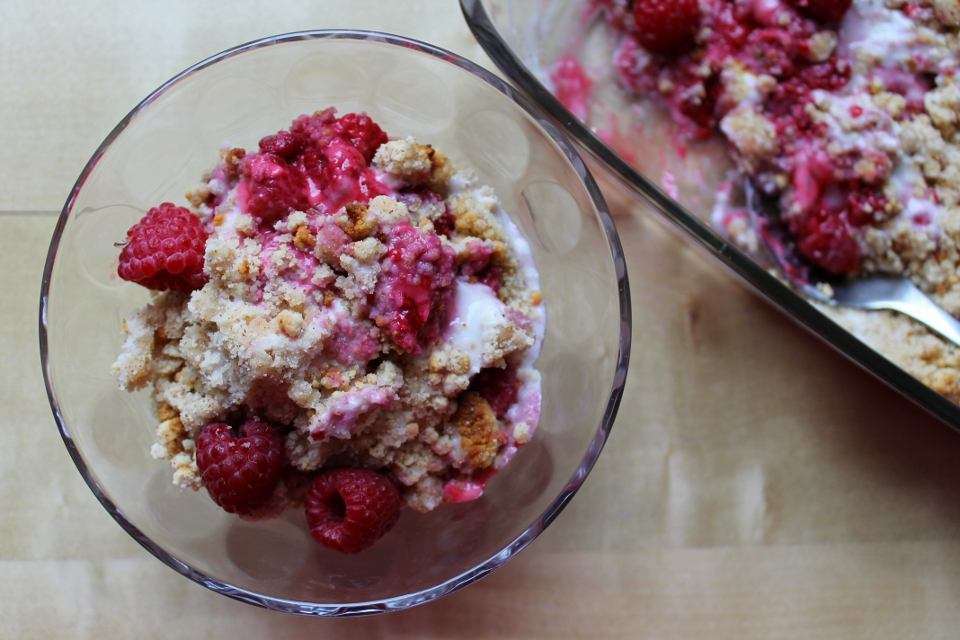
(756, 485)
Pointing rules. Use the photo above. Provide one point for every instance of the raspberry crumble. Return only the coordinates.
(847, 111)
(341, 320)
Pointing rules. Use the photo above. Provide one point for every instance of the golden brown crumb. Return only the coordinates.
(231, 162)
(358, 225)
(304, 240)
(947, 12)
(474, 217)
(478, 429)
(170, 434)
(199, 195)
(291, 323)
(165, 412)
(440, 172)
(218, 219)
(449, 360)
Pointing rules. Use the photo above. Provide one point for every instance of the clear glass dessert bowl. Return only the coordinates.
(641, 160)
(411, 89)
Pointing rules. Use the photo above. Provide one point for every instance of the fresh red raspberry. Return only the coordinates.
(665, 25)
(362, 132)
(165, 250)
(827, 11)
(350, 509)
(240, 473)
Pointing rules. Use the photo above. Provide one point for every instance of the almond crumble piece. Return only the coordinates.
(357, 224)
(405, 160)
(478, 428)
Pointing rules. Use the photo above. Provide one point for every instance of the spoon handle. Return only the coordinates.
(918, 306)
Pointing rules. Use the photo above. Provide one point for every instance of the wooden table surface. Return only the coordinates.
(756, 484)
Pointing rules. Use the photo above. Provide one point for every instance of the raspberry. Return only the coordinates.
(416, 270)
(362, 132)
(165, 250)
(446, 224)
(827, 11)
(830, 75)
(283, 144)
(350, 509)
(275, 188)
(771, 51)
(240, 473)
(823, 236)
(866, 205)
(499, 387)
(490, 277)
(665, 25)
(345, 169)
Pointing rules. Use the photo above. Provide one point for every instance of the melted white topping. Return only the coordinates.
(476, 309)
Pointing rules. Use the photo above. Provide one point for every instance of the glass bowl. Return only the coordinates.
(525, 39)
(162, 148)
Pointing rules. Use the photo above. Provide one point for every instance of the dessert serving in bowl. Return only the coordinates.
(840, 115)
(335, 323)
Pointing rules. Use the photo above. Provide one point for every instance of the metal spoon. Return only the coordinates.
(874, 292)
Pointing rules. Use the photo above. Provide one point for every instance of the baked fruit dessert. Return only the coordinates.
(846, 112)
(342, 322)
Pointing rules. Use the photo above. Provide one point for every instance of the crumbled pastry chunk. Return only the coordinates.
(356, 222)
(199, 195)
(426, 495)
(741, 86)
(440, 173)
(821, 46)
(521, 433)
(947, 12)
(387, 211)
(479, 431)
(942, 106)
(405, 160)
(753, 134)
(231, 161)
(474, 215)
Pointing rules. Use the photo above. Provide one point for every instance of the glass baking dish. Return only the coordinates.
(526, 38)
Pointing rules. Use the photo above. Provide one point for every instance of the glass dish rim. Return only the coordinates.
(542, 521)
(769, 286)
